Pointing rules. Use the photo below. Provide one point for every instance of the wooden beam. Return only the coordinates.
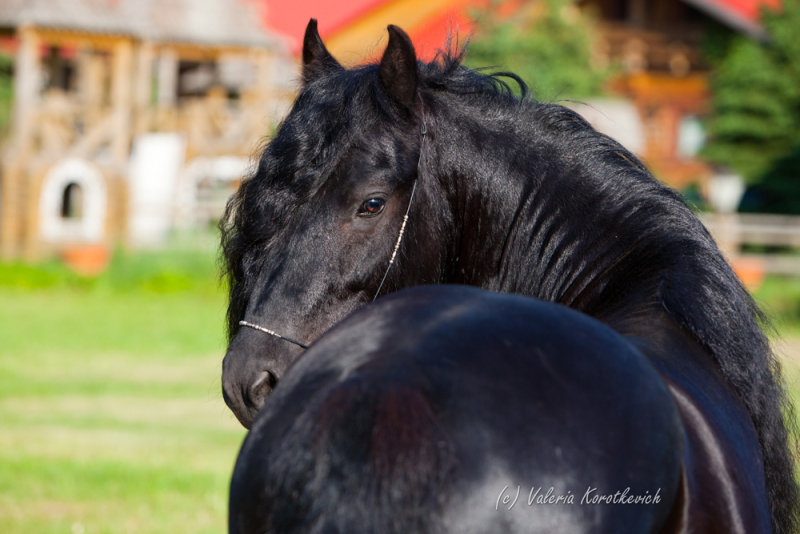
(264, 64)
(26, 87)
(167, 78)
(143, 85)
(32, 249)
(10, 211)
(121, 101)
(80, 39)
(13, 185)
(202, 52)
(637, 12)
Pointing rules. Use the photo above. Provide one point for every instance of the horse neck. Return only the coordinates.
(572, 222)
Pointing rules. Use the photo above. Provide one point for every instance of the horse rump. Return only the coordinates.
(451, 409)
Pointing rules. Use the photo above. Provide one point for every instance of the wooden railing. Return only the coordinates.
(213, 125)
(675, 51)
(735, 231)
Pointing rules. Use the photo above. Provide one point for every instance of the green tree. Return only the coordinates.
(6, 91)
(750, 126)
(547, 43)
(756, 110)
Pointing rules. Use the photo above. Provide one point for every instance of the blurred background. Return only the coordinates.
(126, 124)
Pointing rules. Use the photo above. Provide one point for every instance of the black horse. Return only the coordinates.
(449, 409)
(443, 174)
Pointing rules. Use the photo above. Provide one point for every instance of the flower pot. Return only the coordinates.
(751, 271)
(86, 259)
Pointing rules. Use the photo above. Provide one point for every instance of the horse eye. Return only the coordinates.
(371, 207)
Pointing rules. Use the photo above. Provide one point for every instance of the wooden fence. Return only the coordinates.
(734, 232)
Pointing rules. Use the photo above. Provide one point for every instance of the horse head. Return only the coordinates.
(310, 236)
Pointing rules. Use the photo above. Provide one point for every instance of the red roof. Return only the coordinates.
(742, 15)
(289, 18)
(749, 9)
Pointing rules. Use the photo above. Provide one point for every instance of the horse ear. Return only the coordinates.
(398, 68)
(317, 61)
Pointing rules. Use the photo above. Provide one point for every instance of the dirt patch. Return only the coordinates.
(788, 349)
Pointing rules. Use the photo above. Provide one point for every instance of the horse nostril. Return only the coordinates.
(261, 388)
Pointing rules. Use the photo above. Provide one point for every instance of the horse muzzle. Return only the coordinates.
(250, 371)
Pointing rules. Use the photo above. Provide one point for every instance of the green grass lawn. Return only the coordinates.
(111, 416)
(791, 374)
(779, 297)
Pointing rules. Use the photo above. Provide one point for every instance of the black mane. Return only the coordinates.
(589, 226)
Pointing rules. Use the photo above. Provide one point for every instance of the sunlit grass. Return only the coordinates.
(132, 443)
(779, 297)
(110, 407)
(90, 321)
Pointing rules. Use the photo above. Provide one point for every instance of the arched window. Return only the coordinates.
(72, 202)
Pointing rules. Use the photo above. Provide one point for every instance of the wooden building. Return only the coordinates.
(132, 117)
(664, 75)
(126, 113)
